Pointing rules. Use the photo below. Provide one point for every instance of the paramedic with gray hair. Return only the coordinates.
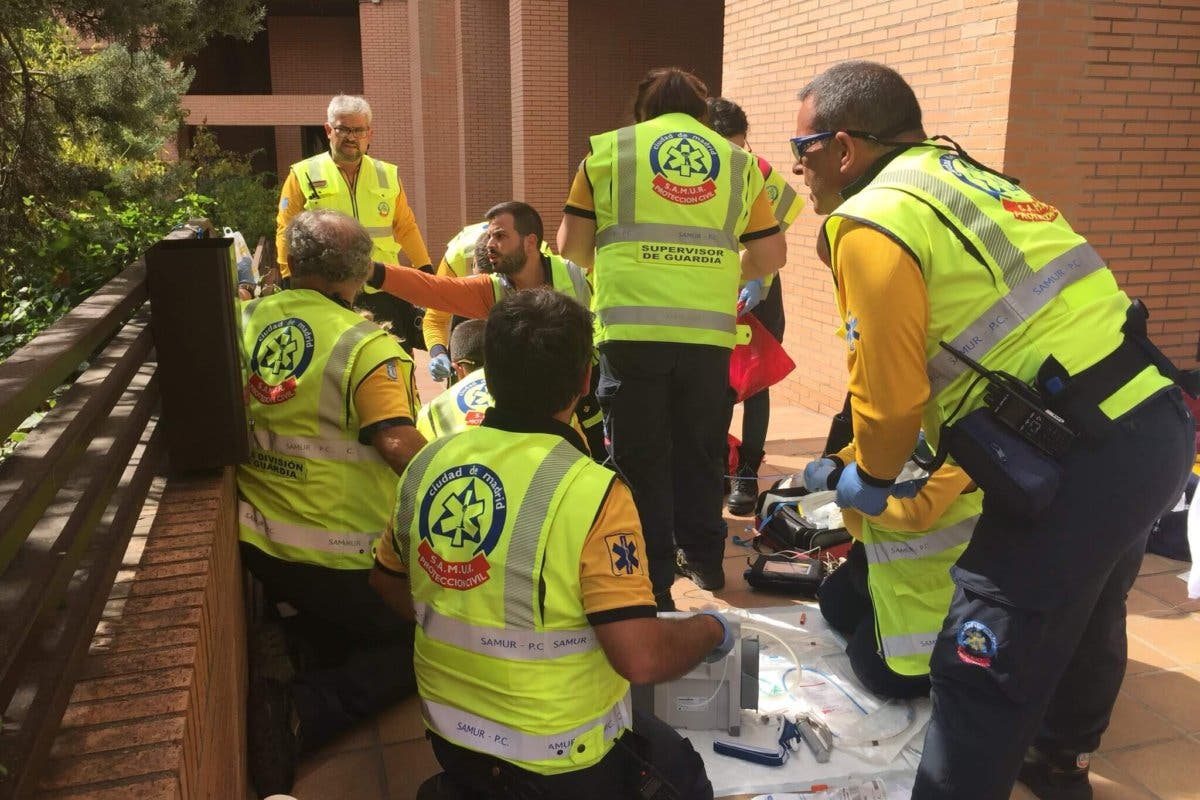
(344, 178)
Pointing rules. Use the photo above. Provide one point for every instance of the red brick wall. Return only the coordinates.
(435, 123)
(614, 44)
(315, 55)
(387, 80)
(486, 109)
(1105, 125)
(538, 66)
(159, 711)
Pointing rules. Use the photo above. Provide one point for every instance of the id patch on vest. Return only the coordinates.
(460, 521)
(281, 355)
(1015, 200)
(685, 166)
(291, 468)
(473, 396)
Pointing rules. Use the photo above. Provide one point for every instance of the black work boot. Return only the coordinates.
(272, 733)
(1061, 775)
(744, 493)
(708, 577)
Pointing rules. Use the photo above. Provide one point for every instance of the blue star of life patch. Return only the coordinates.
(623, 554)
(852, 334)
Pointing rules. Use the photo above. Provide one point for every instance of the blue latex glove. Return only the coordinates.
(853, 492)
(816, 474)
(721, 650)
(750, 296)
(439, 367)
(905, 489)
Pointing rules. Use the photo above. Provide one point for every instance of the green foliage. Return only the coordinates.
(82, 192)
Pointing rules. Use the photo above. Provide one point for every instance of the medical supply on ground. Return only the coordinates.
(874, 789)
(787, 572)
(712, 695)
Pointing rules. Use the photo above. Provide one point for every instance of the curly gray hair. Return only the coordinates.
(328, 244)
(347, 104)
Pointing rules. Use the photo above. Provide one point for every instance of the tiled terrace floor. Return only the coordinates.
(1151, 750)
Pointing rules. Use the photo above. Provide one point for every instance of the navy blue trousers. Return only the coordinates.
(667, 408)
(362, 650)
(1033, 650)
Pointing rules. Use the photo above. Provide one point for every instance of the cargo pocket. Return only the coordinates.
(989, 643)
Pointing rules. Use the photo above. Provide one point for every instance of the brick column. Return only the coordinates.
(435, 121)
(386, 50)
(484, 90)
(540, 113)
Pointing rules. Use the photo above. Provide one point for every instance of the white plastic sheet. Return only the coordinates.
(872, 737)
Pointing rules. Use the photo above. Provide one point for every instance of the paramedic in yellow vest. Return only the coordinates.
(466, 254)
(331, 407)
(661, 209)
(762, 297)
(890, 596)
(346, 179)
(519, 260)
(929, 246)
(462, 405)
(523, 564)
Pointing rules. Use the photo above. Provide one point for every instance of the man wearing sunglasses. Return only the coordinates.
(929, 246)
(344, 178)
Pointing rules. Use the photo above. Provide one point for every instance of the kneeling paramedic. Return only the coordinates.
(1077, 435)
(529, 588)
(890, 596)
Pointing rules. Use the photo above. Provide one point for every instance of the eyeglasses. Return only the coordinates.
(357, 133)
(800, 144)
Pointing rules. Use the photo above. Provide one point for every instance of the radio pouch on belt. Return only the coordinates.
(1017, 478)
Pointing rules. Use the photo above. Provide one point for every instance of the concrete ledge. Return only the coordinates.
(159, 710)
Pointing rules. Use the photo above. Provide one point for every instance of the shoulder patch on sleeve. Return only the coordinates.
(623, 555)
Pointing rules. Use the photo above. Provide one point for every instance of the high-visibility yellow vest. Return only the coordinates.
(373, 202)
(456, 409)
(460, 250)
(311, 493)
(494, 524)
(785, 202)
(672, 199)
(908, 577)
(1009, 281)
(566, 277)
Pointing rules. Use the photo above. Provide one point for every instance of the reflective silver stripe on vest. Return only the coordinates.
(672, 317)
(786, 199)
(407, 503)
(334, 405)
(1006, 314)
(344, 543)
(514, 644)
(477, 733)
(739, 163)
(314, 447)
(663, 232)
(908, 644)
(1010, 257)
(583, 292)
(377, 231)
(519, 562)
(930, 544)
(626, 177)
(381, 175)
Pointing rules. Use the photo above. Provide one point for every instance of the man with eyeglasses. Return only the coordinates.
(346, 179)
(930, 246)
